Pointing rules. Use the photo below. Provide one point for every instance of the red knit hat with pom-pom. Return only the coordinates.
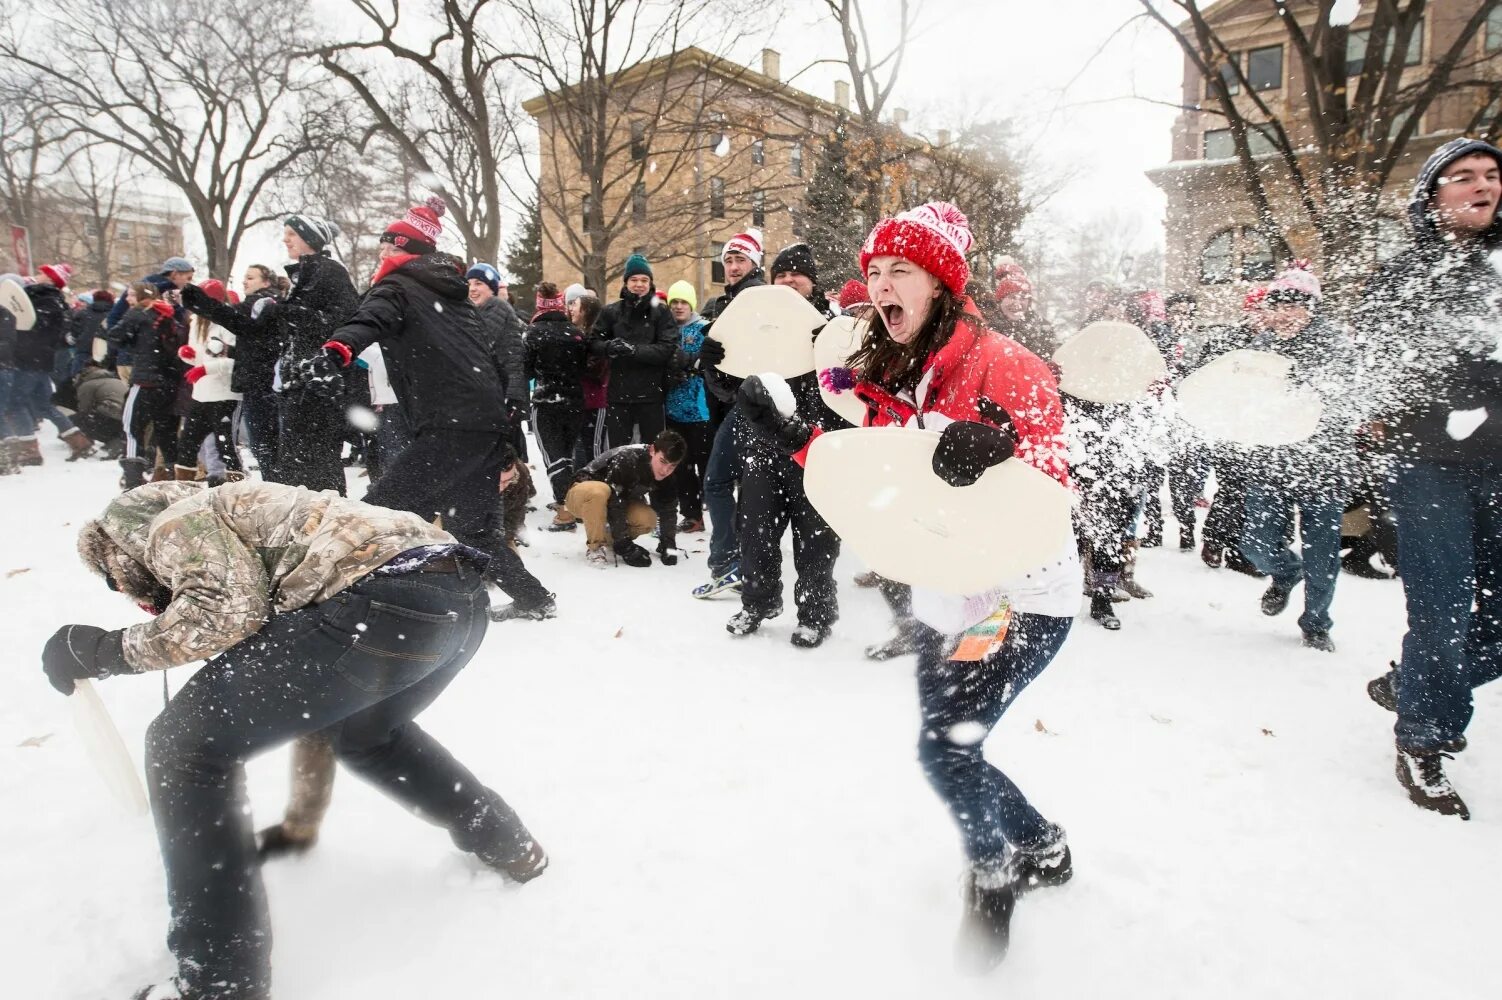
(935, 236)
(419, 229)
(853, 293)
(1011, 279)
(214, 289)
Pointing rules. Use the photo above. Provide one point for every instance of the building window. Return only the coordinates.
(123, 231)
(758, 208)
(638, 141)
(1264, 68)
(795, 159)
(586, 153)
(1220, 145)
(1228, 74)
(91, 228)
(1215, 260)
(716, 198)
(1257, 260)
(716, 264)
(759, 152)
(639, 204)
(126, 262)
(1400, 120)
(1494, 31)
(718, 144)
(1357, 42)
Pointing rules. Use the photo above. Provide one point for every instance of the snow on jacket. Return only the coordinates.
(235, 555)
(259, 330)
(645, 323)
(627, 470)
(323, 297)
(506, 332)
(1431, 317)
(438, 356)
(555, 359)
(213, 351)
(101, 394)
(36, 349)
(152, 337)
(685, 401)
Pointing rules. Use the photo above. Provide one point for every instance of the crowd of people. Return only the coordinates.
(430, 374)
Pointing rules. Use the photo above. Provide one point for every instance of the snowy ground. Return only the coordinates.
(739, 818)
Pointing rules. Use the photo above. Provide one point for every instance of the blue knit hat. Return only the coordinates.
(637, 264)
(486, 273)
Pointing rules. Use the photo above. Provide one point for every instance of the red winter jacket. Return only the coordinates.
(979, 364)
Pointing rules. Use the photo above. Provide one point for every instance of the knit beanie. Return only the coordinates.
(637, 264)
(214, 289)
(574, 293)
(315, 232)
(935, 236)
(176, 264)
(58, 274)
(796, 259)
(486, 273)
(854, 293)
(418, 230)
(554, 304)
(1010, 280)
(748, 244)
(1296, 284)
(685, 291)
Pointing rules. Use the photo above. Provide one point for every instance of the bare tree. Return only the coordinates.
(979, 172)
(218, 109)
(1336, 146)
(98, 183)
(32, 149)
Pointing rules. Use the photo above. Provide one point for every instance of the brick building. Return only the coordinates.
(106, 246)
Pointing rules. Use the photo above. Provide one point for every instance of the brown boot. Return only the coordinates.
(1129, 573)
(79, 444)
(27, 451)
(234, 477)
(182, 473)
(162, 474)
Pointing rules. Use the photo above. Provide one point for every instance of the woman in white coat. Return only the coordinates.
(210, 354)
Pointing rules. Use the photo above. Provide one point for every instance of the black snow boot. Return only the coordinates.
(1186, 539)
(1275, 599)
(746, 621)
(1048, 865)
(1422, 772)
(633, 555)
(810, 636)
(1320, 641)
(1213, 555)
(903, 640)
(1241, 564)
(1382, 689)
(1101, 611)
(986, 927)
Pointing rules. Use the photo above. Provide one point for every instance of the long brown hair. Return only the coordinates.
(899, 367)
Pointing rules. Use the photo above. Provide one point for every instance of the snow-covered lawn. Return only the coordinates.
(740, 818)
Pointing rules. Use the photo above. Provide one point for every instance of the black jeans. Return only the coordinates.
(556, 427)
(148, 407)
(689, 476)
(629, 423)
(361, 665)
(204, 419)
(772, 497)
(308, 451)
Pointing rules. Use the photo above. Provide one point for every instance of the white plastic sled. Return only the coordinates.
(1246, 397)
(769, 328)
(1109, 363)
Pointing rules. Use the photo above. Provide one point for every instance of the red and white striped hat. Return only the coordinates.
(935, 236)
(747, 244)
(58, 274)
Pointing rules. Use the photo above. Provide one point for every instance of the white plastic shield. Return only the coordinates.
(1109, 363)
(1246, 397)
(832, 349)
(769, 328)
(13, 297)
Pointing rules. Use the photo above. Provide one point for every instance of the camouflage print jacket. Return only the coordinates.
(235, 555)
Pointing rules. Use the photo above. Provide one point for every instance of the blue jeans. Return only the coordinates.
(720, 477)
(1269, 520)
(33, 390)
(961, 703)
(1450, 559)
(359, 666)
(15, 416)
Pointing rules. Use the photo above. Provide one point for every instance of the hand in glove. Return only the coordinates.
(968, 448)
(632, 554)
(711, 353)
(83, 652)
(195, 299)
(323, 373)
(667, 555)
(187, 353)
(759, 409)
(618, 348)
(195, 373)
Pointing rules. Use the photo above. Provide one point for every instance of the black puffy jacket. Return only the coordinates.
(36, 348)
(260, 337)
(556, 356)
(644, 322)
(322, 298)
(438, 357)
(505, 330)
(627, 470)
(152, 337)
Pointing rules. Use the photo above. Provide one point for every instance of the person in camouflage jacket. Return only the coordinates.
(317, 615)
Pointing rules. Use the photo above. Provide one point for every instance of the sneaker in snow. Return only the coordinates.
(598, 557)
(744, 621)
(810, 636)
(540, 612)
(986, 927)
(691, 525)
(1422, 772)
(1048, 865)
(1275, 599)
(728, 580)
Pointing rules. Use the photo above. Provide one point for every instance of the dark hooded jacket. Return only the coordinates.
(438, 357)
(1431, 317)
(556, 356)
(36, 349)
(83, 326)
(505, 330)
(152, 337)
(260, 336)
(323, 297)
(627, 470)
(644, 322)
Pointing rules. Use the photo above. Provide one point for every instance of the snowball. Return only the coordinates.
(1463, 423)
(723, 147)
(966, 734)
(1344, 12)
(362, 419)
(781, 393)
(438, 307)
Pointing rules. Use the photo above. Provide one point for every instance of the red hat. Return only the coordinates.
(1253, 300)
(214, 289)
(935, 236)
(1010, 280)
(747, 244)
(58, 274)
(419, 229)
(662, 295)
(853, 293)
(234, 297)
(545, 304)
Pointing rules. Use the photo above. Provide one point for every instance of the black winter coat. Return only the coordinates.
(505, 330)
(627, 470)
(441, 367)
(260, 337)
(152, 338)
(36, 349)
(83, 326)
(8, 336)
(556, 357)
(646, 324)
(323, 297)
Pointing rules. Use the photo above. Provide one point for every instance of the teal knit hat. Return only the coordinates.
(637, 264)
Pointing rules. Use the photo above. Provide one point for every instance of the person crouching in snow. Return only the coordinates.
(927, 360)
(315, 613)
(611, 496)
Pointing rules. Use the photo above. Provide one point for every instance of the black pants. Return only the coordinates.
(1223, 524)
(204, 419)
(556, 427)
(629, 423)
(1186, 479)
(689, 476)
(311, 439)
(262, 429)
(1103, 520)
(148, 407)
(455, 475)
(361, 665)
(772, 498)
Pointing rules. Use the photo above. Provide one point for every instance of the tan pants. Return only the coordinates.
(124, 372)
(590, 501)
(312, 785)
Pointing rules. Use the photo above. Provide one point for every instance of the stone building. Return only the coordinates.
(1215, 246)
(106, 244)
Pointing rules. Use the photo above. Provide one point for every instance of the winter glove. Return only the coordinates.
(790, 432)
(711, 353)
(186, 353)
(195, 299)
(83, 652)
(195, 373)
(667, 555)
(322, 374)
(618, 348)
(633, 555)
(968, 448)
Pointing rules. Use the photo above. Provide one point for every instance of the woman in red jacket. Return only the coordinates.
(927, 360)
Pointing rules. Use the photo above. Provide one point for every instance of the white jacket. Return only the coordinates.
(212, 350)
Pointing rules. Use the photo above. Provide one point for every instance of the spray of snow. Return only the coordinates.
(781, 393)
(967, 734)
(362, 419)
(1344, 12)
(722, 148)
(1463, 423)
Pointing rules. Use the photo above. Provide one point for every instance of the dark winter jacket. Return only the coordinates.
(1431, 318)
(505, 331)
(83, 326)
(716, 305)
(36, 349)
(152, 338)
(8, 337)
(323, 297)
(260, 336)
(555, 357)
(441, 368)
(101, 395)
(627, 470)
(161, 283)
(646, 324)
